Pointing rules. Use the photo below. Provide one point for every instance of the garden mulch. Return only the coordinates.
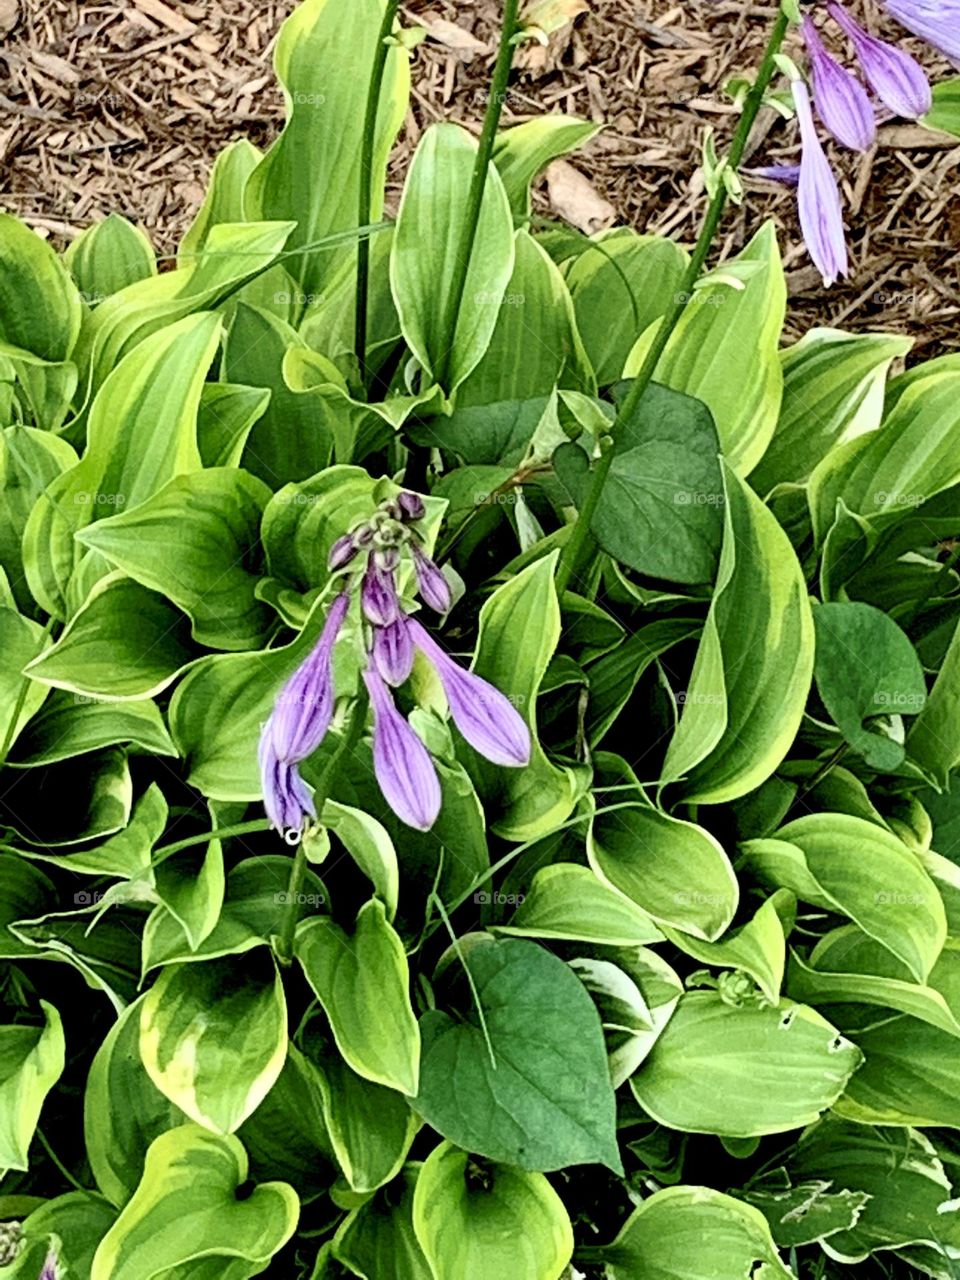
(124, 106)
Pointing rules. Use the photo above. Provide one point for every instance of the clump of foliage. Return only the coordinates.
(633, 953)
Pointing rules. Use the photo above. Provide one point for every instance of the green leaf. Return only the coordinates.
(519, 631)
(142, 432)
(620, 287)
(909, 1199)
(662, 507)
(192, 542)
(369, 844)
(549, 1102)
(363, 983)
(226, 417)
(432, 212)
(39, 303)
(852, 866)
(520, 153)
(808, 1212)
(31, 1062)
(287, 1134)
(371, 1127)
(108, 256)
(186, 1215)
(126, 643)
(743, 1072)
(569, 903)
(915, 455)
(79, 1220)
(213, 1039)
(95, 795)
(945, 113)
(21, 642)
(663, 1239)
(614, 676)
(934, 740)
(495, 1221)
(74, 725)
(848, 967)
(833, 385)
(753, 669)
(725, 352)
(865, 668)
(324, 60)
(223, 201)
(378, 1239)
(29, 461)
(123, 1110)
(675, 871)
(513, 367)
(290, 441)
(758, 948)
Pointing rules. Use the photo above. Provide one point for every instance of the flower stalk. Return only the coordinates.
(491, 120)
(574, 548)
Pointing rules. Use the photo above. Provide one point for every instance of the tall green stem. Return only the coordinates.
(298, 867)
(366, 182)
(491, 119)
(574, 548)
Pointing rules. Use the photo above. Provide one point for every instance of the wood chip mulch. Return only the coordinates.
(124, 105)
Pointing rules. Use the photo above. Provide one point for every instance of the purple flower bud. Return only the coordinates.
(486, 717)
(936, 21)
(404, 770)
(286, 797)
(841, 100)
(821, 213)
(787, 174)
(392, 651)
(411, 506)
(342, 552)
(378, 597)
(304, 706)
(898, 80)
(50, 1269)
(432, 585)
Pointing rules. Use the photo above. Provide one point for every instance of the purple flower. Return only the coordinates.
(392, 651)
(342, 552)
(50, 1269)
(401, 762)
(788, 174)
(286, 797)
(821, 213)
(378, 596)
(897, 79)
(487, 718)
(303, 709)
(936, 21)
(841, 100)
(411, 506)
(432, 585)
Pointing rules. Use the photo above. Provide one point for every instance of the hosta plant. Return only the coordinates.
(480, 720)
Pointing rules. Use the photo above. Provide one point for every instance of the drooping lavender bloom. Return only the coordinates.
(432, 585)
(342, 552)
(821, 213)
(304, 707)
(50, 1269)
(486, 717)
(936, 21)
(897, 79)
(411, 506)
(404, 770)
(378, 596)
(787, 174)
(392, 651)
(841, 100)
(286, 797)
